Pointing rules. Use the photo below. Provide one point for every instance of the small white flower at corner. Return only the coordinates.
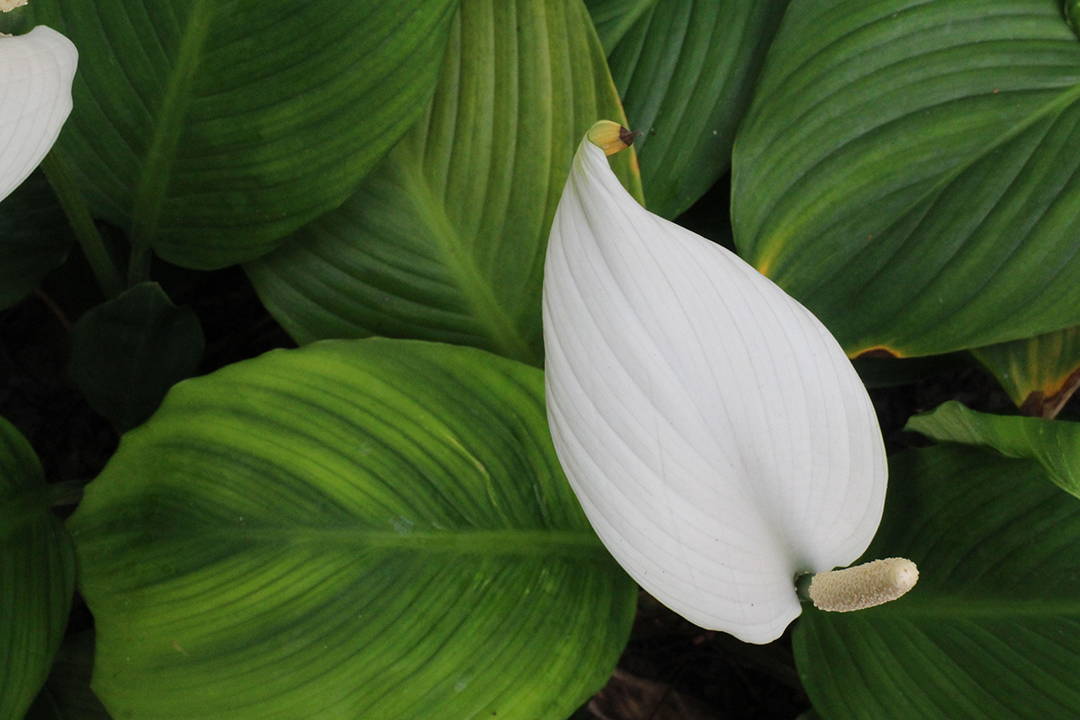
(36, 72)
(714, 431)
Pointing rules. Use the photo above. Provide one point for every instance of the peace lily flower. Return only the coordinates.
(717, 436)
(36, 72)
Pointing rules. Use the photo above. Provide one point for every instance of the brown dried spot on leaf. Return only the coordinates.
(1044, 405)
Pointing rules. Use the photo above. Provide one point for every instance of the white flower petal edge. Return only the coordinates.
(716, 434)
(36, 72)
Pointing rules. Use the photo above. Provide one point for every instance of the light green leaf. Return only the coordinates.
(34, 238)
(446, 240)
(126, 353)
(37, 575)
(991, 631)
(685, 71)
(210, 130)
(355, 529)
(1040, 374)
(1053, 443)
(908, 171)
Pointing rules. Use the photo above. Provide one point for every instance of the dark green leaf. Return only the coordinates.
(1053, 443)
(1040, 373)
(685, 71)
(446, 240)
(67, 694)
(210, 130)
(34, 238)
(908, 170)
(992, 630)
(884, 372)
(355, 529)
(37, 575)
(127, 353)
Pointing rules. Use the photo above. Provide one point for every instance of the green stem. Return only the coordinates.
(802, 586)
(139, 264)
(78, 215)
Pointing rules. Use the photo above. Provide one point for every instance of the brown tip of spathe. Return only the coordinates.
(611, 137)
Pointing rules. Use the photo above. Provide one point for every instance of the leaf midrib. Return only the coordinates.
(509, 541)
(156, 175)
(486, 308)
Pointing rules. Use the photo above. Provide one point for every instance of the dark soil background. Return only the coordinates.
(670, 669)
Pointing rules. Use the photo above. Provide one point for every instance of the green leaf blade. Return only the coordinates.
(127, 353)
(212, 130)
(1055, 444)
(992, 628)
(445, 240)
(907, 146)
(354, 529)
(37, 575)
(685, 71)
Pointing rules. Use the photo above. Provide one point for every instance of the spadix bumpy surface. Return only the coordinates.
(36, 72)
(715, 433)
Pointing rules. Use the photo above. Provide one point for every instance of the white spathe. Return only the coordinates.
(36, 72)
(714, 431)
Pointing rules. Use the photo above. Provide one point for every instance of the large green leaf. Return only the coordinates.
(370, 529)
(34, 238)
(446, 240)
(992, 630)
(685, 71)
(1040, 373)
(1053, 443)
(908, 170)
(37, 575)
(211, 129)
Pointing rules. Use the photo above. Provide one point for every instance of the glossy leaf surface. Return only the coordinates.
(1053, 443)
(355, 529)
(992, 630)
(908, 171)
(685, 71)
(37, 575)
(445, 241)
(210, 130)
